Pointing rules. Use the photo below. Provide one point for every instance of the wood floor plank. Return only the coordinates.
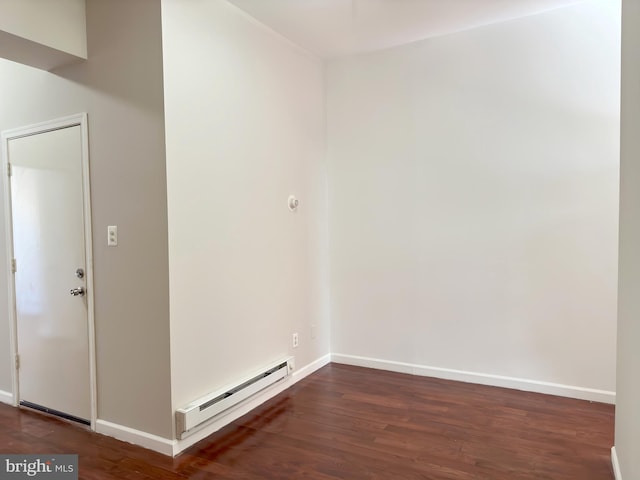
(353, 423)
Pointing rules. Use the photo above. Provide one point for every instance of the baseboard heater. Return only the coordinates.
(206, 408)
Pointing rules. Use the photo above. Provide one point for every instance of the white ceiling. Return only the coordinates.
(333, 28)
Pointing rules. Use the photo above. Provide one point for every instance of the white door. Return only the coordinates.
(46, 185)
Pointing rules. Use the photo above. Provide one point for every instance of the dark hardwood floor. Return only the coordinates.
(355, 423)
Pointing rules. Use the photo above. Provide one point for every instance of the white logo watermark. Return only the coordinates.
(30, 468)
(53, 467)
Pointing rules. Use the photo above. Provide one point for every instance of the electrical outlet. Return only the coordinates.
(295, 340)
(112, 236)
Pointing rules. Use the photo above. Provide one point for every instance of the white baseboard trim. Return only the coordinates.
(174, 447)
(308, 369)
(528, 385)
(6, 397)
(614, 463)
(243, 408)
(137, 437)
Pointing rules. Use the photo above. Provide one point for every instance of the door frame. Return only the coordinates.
(43, 127)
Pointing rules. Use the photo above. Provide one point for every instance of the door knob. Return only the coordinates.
(77, 292)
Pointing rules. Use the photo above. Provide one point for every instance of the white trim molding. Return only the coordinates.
(174, 447)
(615, 465)
(137, 437)
(6, 397)
(308, 369)
(524, 384)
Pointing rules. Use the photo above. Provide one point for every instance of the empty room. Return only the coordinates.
(327, 239)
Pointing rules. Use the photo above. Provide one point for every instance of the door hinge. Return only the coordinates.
(9, 169)
(17, 361)
(14, 265)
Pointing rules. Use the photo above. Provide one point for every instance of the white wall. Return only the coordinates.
(628, 393)
(120, 87)
(244, 129)
(472, 215)
(45, 34)
(473, 199)
(58, 24)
